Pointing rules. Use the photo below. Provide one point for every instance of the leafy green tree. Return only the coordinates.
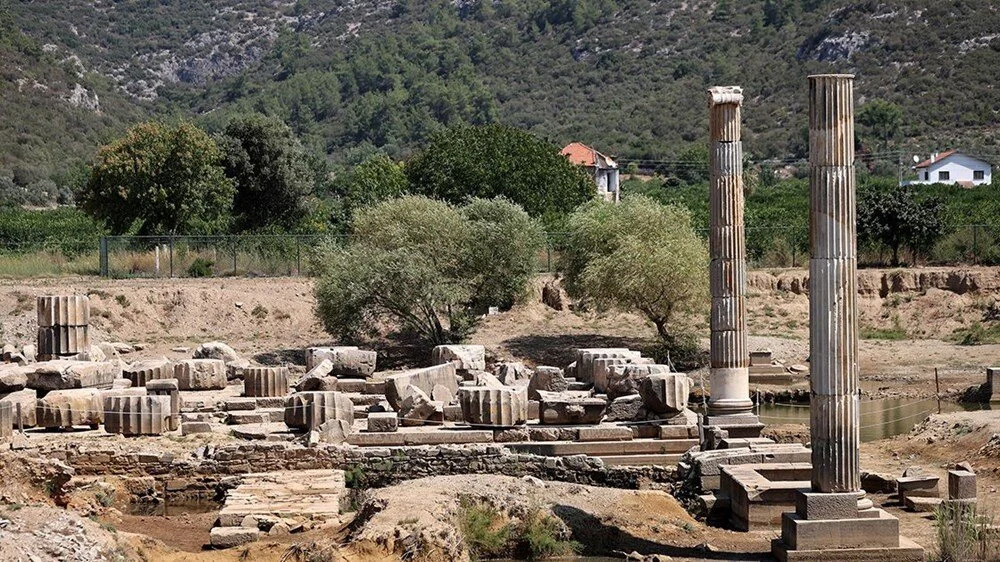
(499, 161)
(270, 171)
(375, 179)
(159, 179)
(501, 255)
(896, 218)
(882, 119)
(638, 255)
(419, 264)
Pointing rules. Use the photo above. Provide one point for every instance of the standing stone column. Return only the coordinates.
(729, 378)
(835, 406)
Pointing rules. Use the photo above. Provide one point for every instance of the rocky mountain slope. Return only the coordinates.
(355, 75)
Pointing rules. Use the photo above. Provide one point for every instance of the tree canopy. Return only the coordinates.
(498, 161)
(269, 169)
(896, 218)
(637, 255)
(421, 264)
(159, 179)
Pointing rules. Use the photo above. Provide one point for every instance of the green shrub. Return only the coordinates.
(200, 267)
(541, 536)
(485, 530)
(965, 533)
(422, 265)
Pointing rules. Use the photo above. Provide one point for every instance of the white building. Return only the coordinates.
(603, 169)
(953, 168)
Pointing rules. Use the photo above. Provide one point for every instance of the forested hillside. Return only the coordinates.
(355, 76)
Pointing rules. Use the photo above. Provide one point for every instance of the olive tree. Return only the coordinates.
(424, 265)
(640, 256)
(159, 179)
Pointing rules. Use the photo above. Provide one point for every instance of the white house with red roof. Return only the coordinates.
(954, 168)
(602, 168)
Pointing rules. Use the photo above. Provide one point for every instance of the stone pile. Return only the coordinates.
(63, 326)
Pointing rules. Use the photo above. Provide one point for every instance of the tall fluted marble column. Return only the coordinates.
(834, 521)
(833, 321)
(730, 358)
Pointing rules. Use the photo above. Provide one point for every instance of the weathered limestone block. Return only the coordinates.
(760, 358)
(513, 372)
(63, 310)
(265, 381)
(56, 341)
(961, 485)
(12, 378)
(334, 432)
(382, 422)
(67, 408)
(494, 407)
(418, 409)
(29, 352)
(64, 374)
(200, 374)
(584, 371)
(993, 383)
(624, 380)
(216, 350)
(625, 408)
(137, 415)
(231, 537)
(308, 410)
(318, 378)
(547, 379)
(465, 357)
(665, 393)
(28, 400)
(601, 366)
(142, 372)
(345, 361)
(558, 408)
(168, 388)
(6, 421)
(425, 379)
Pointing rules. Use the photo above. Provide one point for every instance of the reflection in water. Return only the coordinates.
(879, 418)
(174, 508)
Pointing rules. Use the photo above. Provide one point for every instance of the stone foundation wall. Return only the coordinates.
(378, 467)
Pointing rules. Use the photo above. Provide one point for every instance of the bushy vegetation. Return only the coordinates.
(494, 161)
(622, 75)
(965, 533)
(159, 179)
(418, 264)
(534, 535)
(640, 256)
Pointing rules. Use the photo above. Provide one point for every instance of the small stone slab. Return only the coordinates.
(386, 422)
(961, 485)
(605, 434)
(231, 537)
(921, 504)
(448, 437)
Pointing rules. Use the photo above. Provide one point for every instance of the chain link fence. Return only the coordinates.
(280, 255)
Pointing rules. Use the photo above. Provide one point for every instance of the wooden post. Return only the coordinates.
(20, 420)
(165, 498)
(937, 388)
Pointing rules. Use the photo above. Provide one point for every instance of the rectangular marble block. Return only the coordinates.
(881, 531)
(814, 505)
(907, 551)
(961, 485)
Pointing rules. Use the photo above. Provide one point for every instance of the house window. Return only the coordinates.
(927, 176)
(978, 175)
(944, 176)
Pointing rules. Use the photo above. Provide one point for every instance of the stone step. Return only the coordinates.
(301, 494)
(602, 448)
(360, 399)
(641, 460)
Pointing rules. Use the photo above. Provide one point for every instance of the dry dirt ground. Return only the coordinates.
(272, 320)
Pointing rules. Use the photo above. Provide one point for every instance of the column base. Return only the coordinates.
(832, 527)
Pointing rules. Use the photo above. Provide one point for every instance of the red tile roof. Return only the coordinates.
(582, 155)
(940, 157)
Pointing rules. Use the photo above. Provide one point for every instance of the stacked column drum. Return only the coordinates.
(63, 326)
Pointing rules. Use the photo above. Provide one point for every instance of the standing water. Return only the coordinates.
(880, 419)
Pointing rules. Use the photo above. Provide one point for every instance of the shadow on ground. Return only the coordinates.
(558, 351)
(599, 539)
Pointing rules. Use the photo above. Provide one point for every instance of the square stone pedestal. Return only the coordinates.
(736, 426)
(831, 527)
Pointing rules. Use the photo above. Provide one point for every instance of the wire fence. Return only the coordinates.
(289, 254)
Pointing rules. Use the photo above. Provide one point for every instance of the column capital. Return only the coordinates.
(718, 95)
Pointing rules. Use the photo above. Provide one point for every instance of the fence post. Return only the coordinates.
(975, 244)
(234, 256)
(171, 243)
(104, 257)
(298, 261)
